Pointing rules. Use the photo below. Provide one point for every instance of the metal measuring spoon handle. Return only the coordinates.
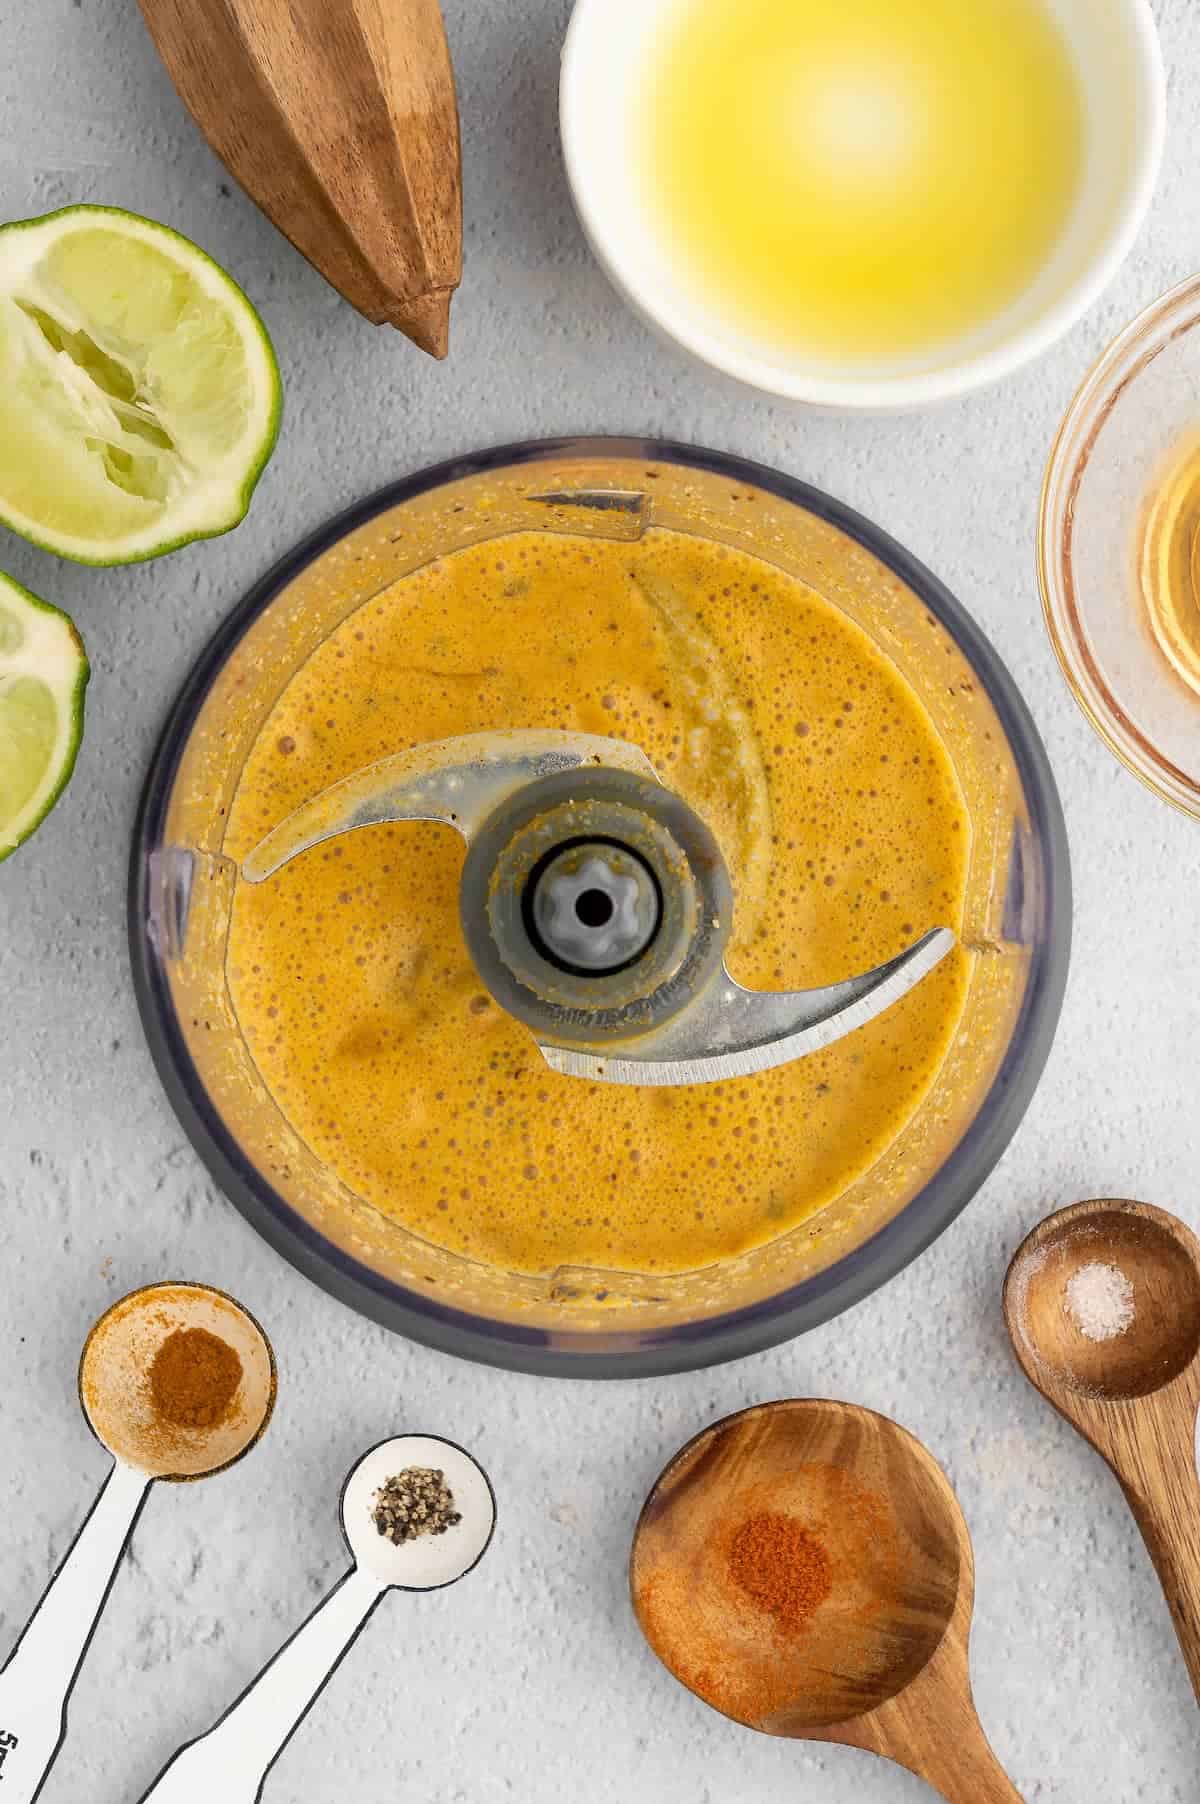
(36, 1683)
(232, 1760)
(40, 1673)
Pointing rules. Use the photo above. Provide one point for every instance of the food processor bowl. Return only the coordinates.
(582, 1321)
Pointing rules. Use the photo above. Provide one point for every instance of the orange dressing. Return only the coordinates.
(791, 734)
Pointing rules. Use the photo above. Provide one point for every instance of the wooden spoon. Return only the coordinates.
(881, 1664)
(1134, 1395)
(339, 118)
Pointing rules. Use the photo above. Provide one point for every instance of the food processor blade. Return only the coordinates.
(732, 1032)
(596, 906)
(457, 781)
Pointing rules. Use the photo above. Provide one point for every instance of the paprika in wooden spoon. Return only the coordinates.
(804, 1567)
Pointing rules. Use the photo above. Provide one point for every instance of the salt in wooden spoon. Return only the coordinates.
(1127, 1378)
(339, 117)
(882, 1663)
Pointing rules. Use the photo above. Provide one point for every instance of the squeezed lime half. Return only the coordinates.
(139, 391)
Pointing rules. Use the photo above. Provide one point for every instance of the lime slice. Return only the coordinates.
(139, 393)
(43, 674)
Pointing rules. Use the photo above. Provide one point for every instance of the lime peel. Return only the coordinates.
(43, 676)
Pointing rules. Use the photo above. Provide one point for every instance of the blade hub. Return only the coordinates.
(595, 904)
(594, 907)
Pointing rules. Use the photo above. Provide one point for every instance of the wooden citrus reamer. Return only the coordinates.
(1135, 1396)
(339, 118)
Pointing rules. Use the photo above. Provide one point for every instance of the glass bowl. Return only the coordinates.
(1133, 416)
(585, 1322)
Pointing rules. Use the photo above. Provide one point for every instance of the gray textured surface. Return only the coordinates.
(530, 1681)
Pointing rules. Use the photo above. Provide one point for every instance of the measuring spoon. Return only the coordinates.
(40, 1673)
(232, 1760)
(882, 1662)
(1134, 1394)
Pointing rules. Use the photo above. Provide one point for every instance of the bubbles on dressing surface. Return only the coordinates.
(838, 813)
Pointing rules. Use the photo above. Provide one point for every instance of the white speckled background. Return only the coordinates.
(530, 1681)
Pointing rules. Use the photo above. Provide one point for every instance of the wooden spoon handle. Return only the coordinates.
(952, 1754)
(932, 1729)
(967, 1772)
(1156, 1464)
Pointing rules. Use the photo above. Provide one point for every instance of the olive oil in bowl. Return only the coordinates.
(861, 180)
(1170, 561)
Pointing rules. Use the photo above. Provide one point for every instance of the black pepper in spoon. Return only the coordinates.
(417, 1501)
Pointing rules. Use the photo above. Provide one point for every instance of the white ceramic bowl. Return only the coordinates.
(608, 49)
